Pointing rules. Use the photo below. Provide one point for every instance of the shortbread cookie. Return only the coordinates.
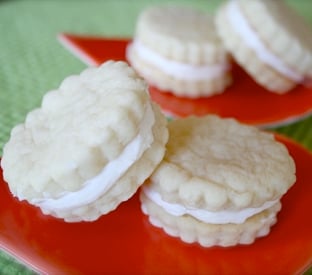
(89, 146)
(177, 49)
(269, 40)
(220, 182)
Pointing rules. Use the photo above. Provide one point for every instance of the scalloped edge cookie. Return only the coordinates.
(269, 40)
(89, 146)
(176, 49)
(220, 175)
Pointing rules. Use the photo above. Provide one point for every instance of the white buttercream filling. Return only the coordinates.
(212, 217)
(250, 37)
(177, 69)
(98, 185)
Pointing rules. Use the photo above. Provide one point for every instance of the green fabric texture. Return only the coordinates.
(33, 62)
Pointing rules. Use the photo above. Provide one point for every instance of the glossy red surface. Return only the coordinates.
(124, 242)
(244, 100)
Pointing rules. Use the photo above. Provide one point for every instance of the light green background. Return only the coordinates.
(32, 62)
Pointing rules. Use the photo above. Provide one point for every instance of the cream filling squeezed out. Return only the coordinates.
(241, 26)
(217, 217)
(97, 186)
(178, 69)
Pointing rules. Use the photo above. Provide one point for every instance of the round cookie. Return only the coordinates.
(89, 146)
(177, 49)
(269, 40)
(220, 182)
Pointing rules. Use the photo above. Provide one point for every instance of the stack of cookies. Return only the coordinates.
(98, 138)
(188, 52)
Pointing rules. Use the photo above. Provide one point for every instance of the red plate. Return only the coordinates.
(124, 241)
(244, 100)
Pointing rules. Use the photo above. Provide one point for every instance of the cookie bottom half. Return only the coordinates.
(191, 230)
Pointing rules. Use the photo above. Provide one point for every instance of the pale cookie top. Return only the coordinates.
(283, 31)
(219, 164)
(180, 33)
(80, 128)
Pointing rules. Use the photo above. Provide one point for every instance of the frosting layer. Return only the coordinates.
(218, 217)
(178, 69)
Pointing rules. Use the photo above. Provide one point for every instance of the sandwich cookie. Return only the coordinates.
(220, 182)
(89, 146)
(177, 49)
(269, 40)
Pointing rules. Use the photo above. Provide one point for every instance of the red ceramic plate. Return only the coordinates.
(123, 242)
(244, 100)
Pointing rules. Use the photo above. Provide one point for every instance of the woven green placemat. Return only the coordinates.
(33, 62)
(9, 266)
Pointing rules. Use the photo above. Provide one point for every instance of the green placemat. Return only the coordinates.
(33, 62)
(8, 265)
